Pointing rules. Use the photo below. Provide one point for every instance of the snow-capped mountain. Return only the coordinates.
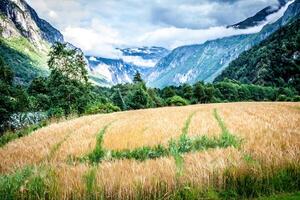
(204, 62)
(111, 71)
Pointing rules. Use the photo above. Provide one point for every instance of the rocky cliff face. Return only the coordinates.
(19, 19)
(25, 40)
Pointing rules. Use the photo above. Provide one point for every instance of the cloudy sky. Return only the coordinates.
(99, 26)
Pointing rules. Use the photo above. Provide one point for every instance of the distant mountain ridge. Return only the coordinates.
(274, 62)
(111, 71)
(260, 16)
(205, 62)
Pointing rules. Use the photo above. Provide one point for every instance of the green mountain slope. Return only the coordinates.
(26, 61)
(25, 40)
(274, 62)
(205, 62)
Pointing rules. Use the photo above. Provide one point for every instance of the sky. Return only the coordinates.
(98, 27)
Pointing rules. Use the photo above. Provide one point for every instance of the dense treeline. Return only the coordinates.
(274, 62)
(67, 91)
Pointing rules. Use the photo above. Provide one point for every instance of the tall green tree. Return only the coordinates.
(137, 78)
(68, 81)
(199, 92)
(69, 62)
(12, 98)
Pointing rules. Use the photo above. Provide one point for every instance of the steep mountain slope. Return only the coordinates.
(259, 17)
(25, 39)
(276, 61)
(192, 63)
(108, 71)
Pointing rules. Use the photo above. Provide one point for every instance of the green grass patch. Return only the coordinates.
(175, 148)
(90, 183)
(259, 181)
(226, 137)
(28, 183)
(98, 154)
(289, 196)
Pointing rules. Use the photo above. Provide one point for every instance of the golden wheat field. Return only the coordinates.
(270, 134)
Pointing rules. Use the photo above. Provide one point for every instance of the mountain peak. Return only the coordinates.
(260, 16)
(18, 18)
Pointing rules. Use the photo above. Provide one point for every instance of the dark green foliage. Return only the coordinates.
(101, 108)
(274, 62)
(55, 112)
(12, 98)
(141, 154)
(187, 91)
(68, 61)
(38, 86)
(25, 64)
(138, 78)
(66, 90)
(168, 92)
(138, 98)
(6, 73)
(177, 101)
(199, 92)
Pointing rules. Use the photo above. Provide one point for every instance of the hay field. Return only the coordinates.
(269, 135)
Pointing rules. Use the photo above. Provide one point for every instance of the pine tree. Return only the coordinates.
(138, 78)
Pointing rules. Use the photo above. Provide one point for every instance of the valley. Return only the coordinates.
(149, 100)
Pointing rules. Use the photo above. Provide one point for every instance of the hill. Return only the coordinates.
(227, 151)
(274, 62)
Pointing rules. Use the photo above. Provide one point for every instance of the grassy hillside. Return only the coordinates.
(24, 58)
(274, 62)
(212, 151)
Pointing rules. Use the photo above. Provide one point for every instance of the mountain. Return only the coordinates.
(108, 71)
(259, 17)
(25, 39)
(189, 64)
(275, 61)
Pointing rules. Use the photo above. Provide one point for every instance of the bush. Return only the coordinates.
(282, 98)
(102, 108)
(177, 101)
(56, 112)
(296, 98)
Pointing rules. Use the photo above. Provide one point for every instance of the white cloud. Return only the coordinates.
(138, 61)
(173, 37)
(99, 26)
(97, 38)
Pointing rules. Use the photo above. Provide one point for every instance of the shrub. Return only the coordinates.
(296, 98)
(101, 108)
(177, 101)
(56, 112)
(282, 98)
